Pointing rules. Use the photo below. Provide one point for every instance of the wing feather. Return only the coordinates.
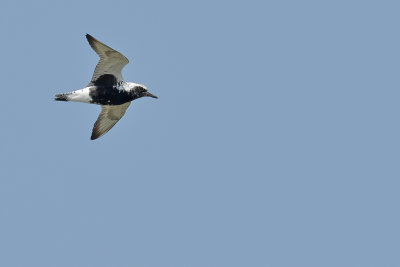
(108, 117)
(111, 61)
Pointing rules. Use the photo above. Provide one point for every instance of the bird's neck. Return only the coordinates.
(132, 93)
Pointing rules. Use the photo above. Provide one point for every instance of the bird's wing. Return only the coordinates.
(108, 117)
(111, 61)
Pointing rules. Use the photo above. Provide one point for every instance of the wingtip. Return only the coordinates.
(96, 134)
(94, 137)
(91, 40)
(89, 37)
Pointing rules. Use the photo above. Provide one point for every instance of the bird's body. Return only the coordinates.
(103, 94)
(107, 89)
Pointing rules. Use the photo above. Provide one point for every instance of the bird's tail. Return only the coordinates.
(61, 97)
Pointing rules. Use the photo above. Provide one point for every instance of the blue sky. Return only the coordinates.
(274, 141)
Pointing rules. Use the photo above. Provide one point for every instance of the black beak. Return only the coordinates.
(151, 95)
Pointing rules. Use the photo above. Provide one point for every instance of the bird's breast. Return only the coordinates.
(109, 95)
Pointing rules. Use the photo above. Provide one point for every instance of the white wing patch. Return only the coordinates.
(111, 61)
(108, 117)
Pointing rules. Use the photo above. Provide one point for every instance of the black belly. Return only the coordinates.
(109, 95)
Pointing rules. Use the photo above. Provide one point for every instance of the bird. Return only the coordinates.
(107, 88)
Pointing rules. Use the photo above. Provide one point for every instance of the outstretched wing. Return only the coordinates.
(108, 117)
(111, 61)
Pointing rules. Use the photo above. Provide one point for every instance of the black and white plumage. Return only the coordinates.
(107, 88)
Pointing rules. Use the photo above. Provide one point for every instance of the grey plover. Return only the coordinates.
(107, 88)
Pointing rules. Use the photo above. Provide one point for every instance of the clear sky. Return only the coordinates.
(274, 141)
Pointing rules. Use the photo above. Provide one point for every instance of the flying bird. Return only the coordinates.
(107, 88)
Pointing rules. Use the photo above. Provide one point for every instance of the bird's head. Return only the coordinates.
(140, 91)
